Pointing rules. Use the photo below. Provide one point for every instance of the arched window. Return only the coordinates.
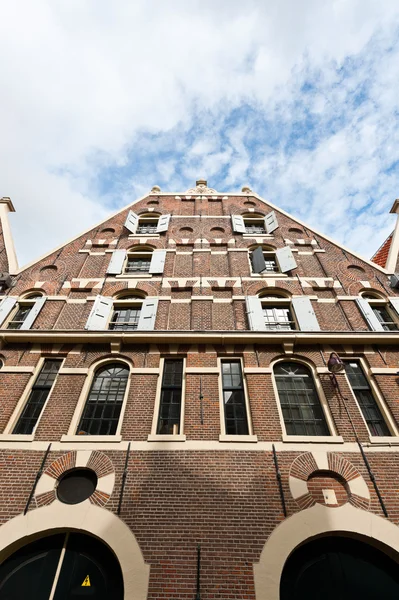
(263, 260)
(126, 313)
(104, 403)
(24, 309)
(254, 223)
(277, 312)
(148, 223)
(138, 260)
(386, 316)
(300, 404)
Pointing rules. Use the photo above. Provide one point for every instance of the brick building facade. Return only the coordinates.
(166, 388)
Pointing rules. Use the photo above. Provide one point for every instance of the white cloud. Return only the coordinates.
(83, 83)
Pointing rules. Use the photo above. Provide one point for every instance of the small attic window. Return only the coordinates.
(186, 230)
(295, 230)
(217, 230)
(108, 230)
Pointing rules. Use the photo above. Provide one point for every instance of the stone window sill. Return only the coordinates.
(238, 438)
(386, 440)
(134, 276)
(167, 438)
(318, 439)
(16, 437)
(271, 275)
(148, 236)
(91, 438)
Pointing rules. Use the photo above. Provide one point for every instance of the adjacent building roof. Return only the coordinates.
(381, 256)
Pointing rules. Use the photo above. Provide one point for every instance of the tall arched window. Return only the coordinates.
(300, 404)
(104, 403)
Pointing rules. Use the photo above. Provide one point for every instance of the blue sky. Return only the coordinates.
(100, 101)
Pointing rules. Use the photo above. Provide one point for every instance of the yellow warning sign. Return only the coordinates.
(86, 582)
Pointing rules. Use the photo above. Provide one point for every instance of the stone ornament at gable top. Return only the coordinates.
(201, 189)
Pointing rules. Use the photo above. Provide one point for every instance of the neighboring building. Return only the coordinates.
(170, 424)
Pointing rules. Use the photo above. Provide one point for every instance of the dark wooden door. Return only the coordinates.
(337, 567)
(77, 566)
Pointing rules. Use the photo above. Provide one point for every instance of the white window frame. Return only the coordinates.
(25, 300)
(72, 436)
(379, 399)
(138, 253)
(284, 301)
(13, 420)
(270, 274)
(223, 436)
(255, 220)
(157, 437)
(333, 438)
(146, 217)
(123, 302)
(380, 301)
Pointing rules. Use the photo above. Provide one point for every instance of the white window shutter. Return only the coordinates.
(285, 259)
(369, 315)
(238, 223)
(116, 263)
(36, 308)
(6, 306)
(98, 318)
(163, 223)
(271, 222)
(255, 314)
(394, 300)
(258, 260)
(148, 314)
(305, 314)
(132, 220)
(157, 261)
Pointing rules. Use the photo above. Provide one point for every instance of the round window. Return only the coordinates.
(76, 486)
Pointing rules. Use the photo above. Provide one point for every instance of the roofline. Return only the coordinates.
(322, 235)
(241, 337)
(239, 194)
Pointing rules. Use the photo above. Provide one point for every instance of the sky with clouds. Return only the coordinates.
(101, 100)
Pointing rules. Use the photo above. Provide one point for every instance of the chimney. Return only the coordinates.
(8, 258)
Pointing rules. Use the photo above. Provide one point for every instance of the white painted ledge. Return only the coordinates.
(318, 439)
(16, 437)
(238, 438)
(91, 438)
(167, 438)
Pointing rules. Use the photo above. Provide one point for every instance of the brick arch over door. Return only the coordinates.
(306, 525)
(84, 518)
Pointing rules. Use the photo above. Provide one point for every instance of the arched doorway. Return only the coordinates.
(339, 567)
(62, 567)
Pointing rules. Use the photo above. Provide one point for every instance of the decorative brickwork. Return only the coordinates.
(97, 461)
(328, 479)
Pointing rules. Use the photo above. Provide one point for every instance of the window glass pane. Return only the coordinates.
(300, 404)
(235, 411)
(171, 397)
(37, 397)
(369, 407)
(104, 403)
(19, 317)
(125, 319)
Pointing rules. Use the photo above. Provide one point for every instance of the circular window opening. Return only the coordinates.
(76, 486)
